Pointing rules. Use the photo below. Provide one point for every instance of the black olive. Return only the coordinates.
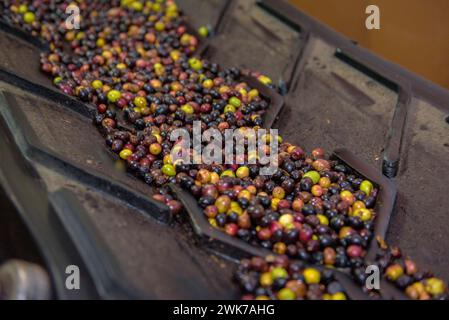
(341, 261)
(308, 209)
(306, 184)
(291, 236)
(303, 255)
(334, 287)
(266, 244)
(243, 202)
(279, 283)
(148, 178)
(326, 241)
(318, 258)
(355, 222)
(221, 219)
(277, 236)
(359, 275)
(404, 281)
(244, 234)
(327, 276)
(233, 217)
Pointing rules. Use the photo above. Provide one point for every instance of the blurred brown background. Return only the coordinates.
(413, 33)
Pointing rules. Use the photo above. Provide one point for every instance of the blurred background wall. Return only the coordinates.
(413, 33)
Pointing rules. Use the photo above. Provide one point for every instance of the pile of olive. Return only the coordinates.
(135, 61)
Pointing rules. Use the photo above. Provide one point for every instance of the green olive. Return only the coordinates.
(203, 31)
(222, 203)
(188, 109)
(314, 175)
(234, 101)
(23, 8)
(286, 294)
(169, 170)
(140, 102)
(29, 17)
(279, 272)
(114, 95)
(366, 186)
(394, 271)
(229, 108)
(195, 64)
(266, 279)
(435, 286)
(312, 276)
(242, 172)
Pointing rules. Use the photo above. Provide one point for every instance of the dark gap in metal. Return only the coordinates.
(392, 152)
(365, 70)
(304, 37)
(221, 18)
(298, 28)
